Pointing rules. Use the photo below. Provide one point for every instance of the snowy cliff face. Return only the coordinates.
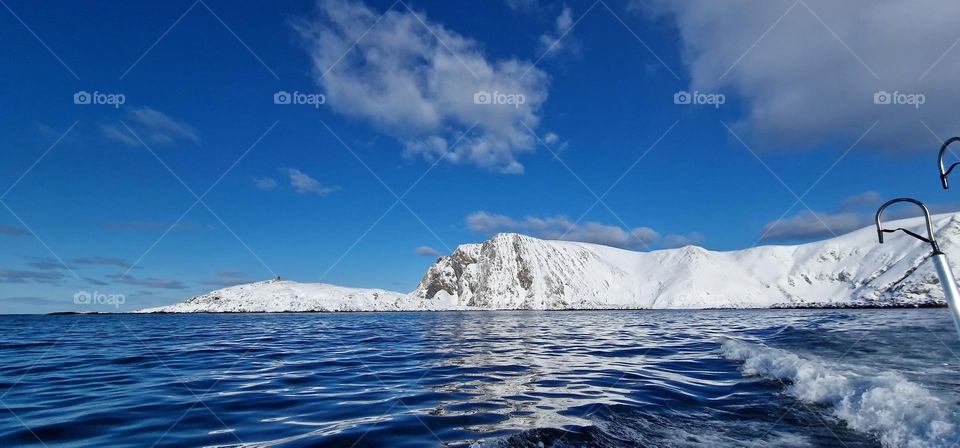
(512, 271)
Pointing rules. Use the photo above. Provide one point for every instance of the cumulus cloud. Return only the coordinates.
(807, 71)
(853, 213)
(304, 184)
(427, 251)
(562, 228)
(560, 41)
(416, 80)
(152, 126)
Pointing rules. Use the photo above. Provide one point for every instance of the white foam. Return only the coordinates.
(899, 412)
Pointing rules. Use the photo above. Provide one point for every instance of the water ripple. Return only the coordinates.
(488, 379)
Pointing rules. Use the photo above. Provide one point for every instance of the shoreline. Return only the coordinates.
(773, 307)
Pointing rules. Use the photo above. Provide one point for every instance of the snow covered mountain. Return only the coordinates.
(279, 296)
(512, 271)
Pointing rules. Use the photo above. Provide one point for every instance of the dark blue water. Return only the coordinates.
(857, 378)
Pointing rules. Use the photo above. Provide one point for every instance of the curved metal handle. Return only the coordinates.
(946, 172)
(926, 215)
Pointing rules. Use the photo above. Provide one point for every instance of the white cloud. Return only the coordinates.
(163, 128)
(152, 126)
(867, 199)
(808, 226)
(562, 228)
(427, 251)
(418, 84)
(811, 78)
(855, 212)
(560, 40)
(304, 184)
(119, 134)
(676, 240)
(265, 183)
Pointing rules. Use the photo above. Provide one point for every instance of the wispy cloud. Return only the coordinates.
(151, 125)
(103, 261)
(47, 264)
(523, 5)
(95, 282)
(853, 213)
(149, 282)
(562, 228)
(13, 231)
(135, 226)
(226, 278)
(118, 134)
(265, 183)
(19, 276)
(808, 226)
(224, 282)
(427, 251)
(304, 184)
(31, 301)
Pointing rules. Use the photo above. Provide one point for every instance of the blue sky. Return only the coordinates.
(100, 197)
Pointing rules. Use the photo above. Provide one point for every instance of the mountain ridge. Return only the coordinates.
(511, 271)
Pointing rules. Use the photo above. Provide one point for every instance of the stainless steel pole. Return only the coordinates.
(949, 284)
(947, 281)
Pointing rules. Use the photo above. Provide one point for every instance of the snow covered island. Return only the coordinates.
(511, 272)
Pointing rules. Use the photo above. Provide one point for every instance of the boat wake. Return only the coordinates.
(900, 413)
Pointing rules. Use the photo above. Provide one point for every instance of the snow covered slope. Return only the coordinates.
(276, 296)
(512, 271)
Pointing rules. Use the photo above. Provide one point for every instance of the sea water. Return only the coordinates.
(854, 378)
